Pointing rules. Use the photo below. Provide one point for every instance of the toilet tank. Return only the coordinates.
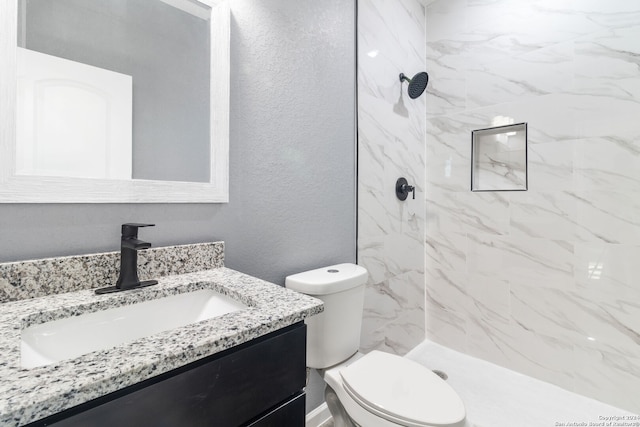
(333, 335)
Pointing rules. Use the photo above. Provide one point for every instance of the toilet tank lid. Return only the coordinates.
(327, 280)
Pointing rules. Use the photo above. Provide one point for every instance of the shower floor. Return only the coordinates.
(498, 397)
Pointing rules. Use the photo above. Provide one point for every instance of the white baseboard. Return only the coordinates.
(318, 416)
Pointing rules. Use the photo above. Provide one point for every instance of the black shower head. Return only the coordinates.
(417, 84)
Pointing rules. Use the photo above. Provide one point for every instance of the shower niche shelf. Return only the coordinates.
(499, 158)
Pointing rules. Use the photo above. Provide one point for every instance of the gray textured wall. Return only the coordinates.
(164, 49)
(292, 159)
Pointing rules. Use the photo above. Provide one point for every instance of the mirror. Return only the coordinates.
(169, 57)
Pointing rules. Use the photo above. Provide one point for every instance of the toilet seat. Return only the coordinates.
(402, 391)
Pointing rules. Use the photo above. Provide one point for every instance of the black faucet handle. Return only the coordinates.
(130, 230)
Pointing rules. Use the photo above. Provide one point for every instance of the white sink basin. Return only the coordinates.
(74, 336)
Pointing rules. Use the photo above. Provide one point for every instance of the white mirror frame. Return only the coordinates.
(40, 189)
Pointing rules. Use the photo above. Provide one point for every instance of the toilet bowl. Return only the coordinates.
(375, 389)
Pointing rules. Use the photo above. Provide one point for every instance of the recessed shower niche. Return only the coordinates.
(499, 158)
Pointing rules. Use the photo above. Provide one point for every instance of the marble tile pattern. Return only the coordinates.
(545, 282)
(391, 141)
(27, 395)
(36, 278)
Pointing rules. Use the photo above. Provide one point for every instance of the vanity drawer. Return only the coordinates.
(249, 382)
(289, 414)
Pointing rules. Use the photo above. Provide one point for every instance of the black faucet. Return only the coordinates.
(129, 247)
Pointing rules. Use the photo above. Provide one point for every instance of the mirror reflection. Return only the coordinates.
(114, 89)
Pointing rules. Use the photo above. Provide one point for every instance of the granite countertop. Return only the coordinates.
(27, 395)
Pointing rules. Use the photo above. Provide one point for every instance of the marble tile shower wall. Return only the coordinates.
(545, 282)
(391, 135)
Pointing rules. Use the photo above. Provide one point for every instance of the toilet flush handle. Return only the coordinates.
(403, 188)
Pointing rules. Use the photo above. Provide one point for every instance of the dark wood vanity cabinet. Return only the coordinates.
(257, 384)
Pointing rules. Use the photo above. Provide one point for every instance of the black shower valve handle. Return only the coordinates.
(406, 188)
(413, 191)
(403, 188)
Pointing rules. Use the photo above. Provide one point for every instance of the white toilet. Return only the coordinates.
(377, 389)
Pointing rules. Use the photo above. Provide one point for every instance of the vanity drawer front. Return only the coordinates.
(289, 414)
(228, 389)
